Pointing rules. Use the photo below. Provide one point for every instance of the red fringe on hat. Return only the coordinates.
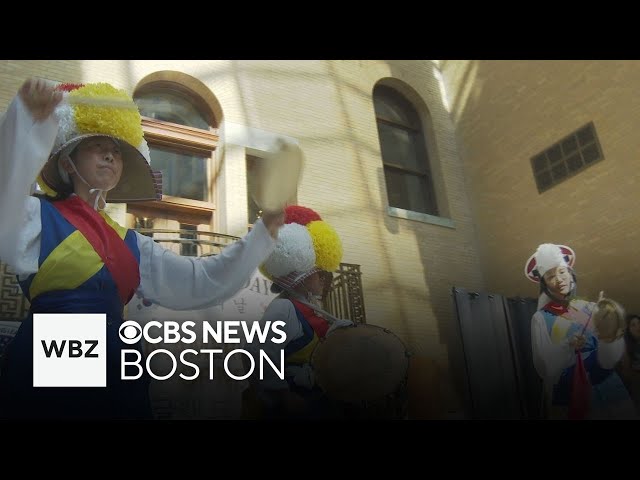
(67, 87)
(300, 215)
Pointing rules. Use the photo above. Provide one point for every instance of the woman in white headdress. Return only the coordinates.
(576, 343)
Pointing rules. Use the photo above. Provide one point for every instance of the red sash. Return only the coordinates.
(556, 308)
(580, 396)
(114, 253)
(319, 324)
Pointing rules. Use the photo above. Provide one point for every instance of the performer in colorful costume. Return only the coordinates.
(85, 145)
(576, 344)
(306, 250)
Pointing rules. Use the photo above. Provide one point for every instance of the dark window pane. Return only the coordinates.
(590, 154)
(544, 180)
(559, 171)
(585, 135)
(393, 107)
(143, 223)
(554, 154)
(539, 162)
(391, 112)
(182, 175)
(400, 147)
(409, 191)
(404, 153)
(172, 108)
(569, 145)
(189, 249)
(253, 208)
(574, 162)
(567, 158)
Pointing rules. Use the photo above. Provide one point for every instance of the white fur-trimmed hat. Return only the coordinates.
(548, 255)
(306, 244)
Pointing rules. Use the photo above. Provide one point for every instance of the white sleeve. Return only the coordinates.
(192, 283)
(25, 146)
(279, 309)
(549, 359)
(24, 257)
(610, 353)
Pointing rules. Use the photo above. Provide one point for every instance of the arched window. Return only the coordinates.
(404, 154)
(182, 136)
(170, 104)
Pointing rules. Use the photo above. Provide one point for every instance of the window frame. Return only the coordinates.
(187, 140)
(542, 164)
(387, 94)
(183, 139)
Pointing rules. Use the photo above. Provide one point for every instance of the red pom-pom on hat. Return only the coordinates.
(300, 215)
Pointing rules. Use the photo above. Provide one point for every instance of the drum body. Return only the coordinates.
(363, 370)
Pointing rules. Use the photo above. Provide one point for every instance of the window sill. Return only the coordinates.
(420, 217)
(181, 204)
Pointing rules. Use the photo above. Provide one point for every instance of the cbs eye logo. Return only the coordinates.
(130, 332)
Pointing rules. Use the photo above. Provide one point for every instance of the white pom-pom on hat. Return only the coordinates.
(293, 252)
(66, 121)
(549, 256)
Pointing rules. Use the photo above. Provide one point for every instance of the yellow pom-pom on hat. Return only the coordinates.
(326, 244)
(100, 109)
(121, 123)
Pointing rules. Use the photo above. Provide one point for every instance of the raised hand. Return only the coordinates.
(40, 97)
(577, 342)
(273, 221)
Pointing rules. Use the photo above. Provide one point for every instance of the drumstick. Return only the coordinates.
(97, 101)
(600, 297)
(327, 316)
(586, 324)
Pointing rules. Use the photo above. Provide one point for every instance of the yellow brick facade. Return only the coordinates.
(505, 112)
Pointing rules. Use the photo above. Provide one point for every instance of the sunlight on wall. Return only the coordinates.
(443, 89)
(459, 83)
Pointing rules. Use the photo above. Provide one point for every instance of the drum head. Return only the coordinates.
(276, 176)
(360, 363)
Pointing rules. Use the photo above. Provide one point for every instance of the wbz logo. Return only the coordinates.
(69, 350)
(75, 348)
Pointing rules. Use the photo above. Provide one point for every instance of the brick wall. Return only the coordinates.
(505, 112)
